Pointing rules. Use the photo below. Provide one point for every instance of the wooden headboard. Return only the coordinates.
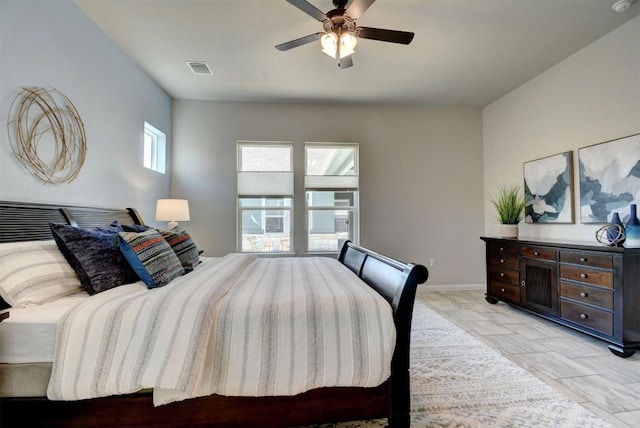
(23, 221)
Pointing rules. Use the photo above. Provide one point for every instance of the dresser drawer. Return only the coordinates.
(583, 294)
(505, 291)
(587, 316)
(586, 259)
(496, 273)
(504, 249)
(504, 261)
(588, 276)
(539, 253)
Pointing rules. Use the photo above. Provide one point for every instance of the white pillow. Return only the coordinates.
(35, 272)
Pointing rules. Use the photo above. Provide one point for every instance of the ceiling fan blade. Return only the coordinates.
(299, 42)
(357, 8)
(393, 36)
(309, 9)
(345, 62)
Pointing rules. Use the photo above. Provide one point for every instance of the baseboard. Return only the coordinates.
(440, 287)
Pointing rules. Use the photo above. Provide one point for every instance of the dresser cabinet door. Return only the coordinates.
(539, 282)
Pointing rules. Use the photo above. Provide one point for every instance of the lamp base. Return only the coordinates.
(172, 225)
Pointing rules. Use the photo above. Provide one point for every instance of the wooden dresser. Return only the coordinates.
(588, 287)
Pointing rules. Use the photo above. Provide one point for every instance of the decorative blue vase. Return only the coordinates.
(614, 231)
(632, 229)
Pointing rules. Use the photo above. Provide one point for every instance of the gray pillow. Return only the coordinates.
(94, 256)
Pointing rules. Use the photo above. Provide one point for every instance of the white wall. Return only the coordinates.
(591, 97)
(54, 44)
(420, 169)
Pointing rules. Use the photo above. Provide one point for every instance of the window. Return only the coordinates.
(265, 197)
(154, 156)
(331, 187)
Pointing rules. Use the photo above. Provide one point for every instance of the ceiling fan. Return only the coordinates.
(340, 34)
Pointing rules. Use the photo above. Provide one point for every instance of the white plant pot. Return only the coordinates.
(509, 230)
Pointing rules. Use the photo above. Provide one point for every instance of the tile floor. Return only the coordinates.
(578, 365)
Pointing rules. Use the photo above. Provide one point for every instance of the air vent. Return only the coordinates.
(199, 67)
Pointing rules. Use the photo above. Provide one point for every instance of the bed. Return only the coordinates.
(24, 403)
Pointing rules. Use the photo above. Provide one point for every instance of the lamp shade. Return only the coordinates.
(329, 43)
(172, 210)
(348, 44)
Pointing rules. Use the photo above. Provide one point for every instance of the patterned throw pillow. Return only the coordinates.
(184, 247)
(35, 272)
(93, 255)
(151, 257)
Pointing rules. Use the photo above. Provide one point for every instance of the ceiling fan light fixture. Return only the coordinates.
(338, 46)
(348, 44)
(329, 43)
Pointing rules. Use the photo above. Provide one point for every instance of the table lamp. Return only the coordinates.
(173, 211)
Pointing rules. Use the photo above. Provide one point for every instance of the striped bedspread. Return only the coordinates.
(236, 326)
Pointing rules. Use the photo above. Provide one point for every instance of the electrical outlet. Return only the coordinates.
(432, 262)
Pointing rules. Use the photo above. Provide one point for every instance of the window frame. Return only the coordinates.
(242, 196)
(350, 184)
(154, 152)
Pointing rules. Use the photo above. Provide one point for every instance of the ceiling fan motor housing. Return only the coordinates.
(337, 20)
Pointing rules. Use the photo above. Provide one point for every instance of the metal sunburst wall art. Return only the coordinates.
(47, 135)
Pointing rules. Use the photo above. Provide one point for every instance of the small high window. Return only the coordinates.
(154, 156)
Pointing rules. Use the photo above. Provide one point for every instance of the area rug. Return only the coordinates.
(457, 381)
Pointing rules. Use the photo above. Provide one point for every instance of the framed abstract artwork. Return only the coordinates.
(609, 179)
(548, 189)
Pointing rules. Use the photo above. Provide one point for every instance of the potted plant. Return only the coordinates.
(509, 202)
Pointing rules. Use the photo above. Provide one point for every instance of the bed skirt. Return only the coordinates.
(24, 380)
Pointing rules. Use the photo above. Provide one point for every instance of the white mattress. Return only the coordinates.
(29, 334)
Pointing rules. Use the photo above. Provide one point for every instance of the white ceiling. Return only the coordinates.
(465, 52)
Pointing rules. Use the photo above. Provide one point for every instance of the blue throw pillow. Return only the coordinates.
(136, 228)
(132, 227)
(151, 257)
(92, 254)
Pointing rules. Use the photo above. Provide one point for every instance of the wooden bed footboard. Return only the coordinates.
(395, 281)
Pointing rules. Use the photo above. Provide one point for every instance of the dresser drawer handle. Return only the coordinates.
(501, 248)
(522, 283)
(536, 253)
(584, 276)
(501, 260)
(584, 316)
(584, 294)
(502, 274)
(583, 259)
(502, 289)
